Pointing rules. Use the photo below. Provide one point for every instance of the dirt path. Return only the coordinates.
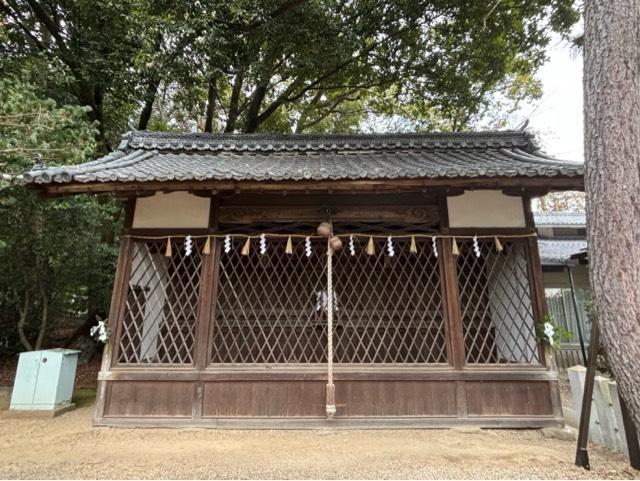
(68, 447)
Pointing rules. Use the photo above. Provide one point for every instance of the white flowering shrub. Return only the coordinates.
(100, 332)
(551, 334)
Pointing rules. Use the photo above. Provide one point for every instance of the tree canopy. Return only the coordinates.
(57, 256)
(282, 65)
(77, 73)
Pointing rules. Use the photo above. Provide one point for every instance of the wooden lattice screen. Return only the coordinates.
(495, 303)
(161, 304)
(389, 308)
(271, 308)
(267, 305)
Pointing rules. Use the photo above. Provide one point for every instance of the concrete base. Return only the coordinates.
(563, 434)
(5, 397)
(570, 417)
(38, 414)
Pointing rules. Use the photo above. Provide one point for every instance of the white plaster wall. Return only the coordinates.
(485, 208)
(510, 306)
(149, 272)
(171, 210)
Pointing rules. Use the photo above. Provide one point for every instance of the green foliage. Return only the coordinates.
(284, 65)
(57, 256)
(32, 128)
(76, 73)
(560, 334)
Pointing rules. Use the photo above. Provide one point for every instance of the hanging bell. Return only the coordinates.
(324, 229)
(335, 243)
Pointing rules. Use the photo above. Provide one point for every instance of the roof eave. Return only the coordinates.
(512, 185)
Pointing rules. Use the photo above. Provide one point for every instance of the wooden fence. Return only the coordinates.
(569, 355)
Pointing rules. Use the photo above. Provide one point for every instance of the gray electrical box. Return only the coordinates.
(44, 380)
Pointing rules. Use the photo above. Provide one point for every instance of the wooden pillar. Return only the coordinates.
(116, 309)
(451, 299)
(536, 280)
(208, 290)
(206, 307)
(538, 300)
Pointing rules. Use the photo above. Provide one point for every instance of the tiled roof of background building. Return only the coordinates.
(560, 219)
(557, 252)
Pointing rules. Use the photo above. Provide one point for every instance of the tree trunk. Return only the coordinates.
(149, 99)
(612, 183)
(254, 109)
(22, 321)
(97, 115)
(43, 320)
(212, 96)
(234, 104)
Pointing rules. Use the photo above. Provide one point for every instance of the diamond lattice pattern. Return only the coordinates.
(269, 307)
(161, 304)
(495, 303)
(389, 308)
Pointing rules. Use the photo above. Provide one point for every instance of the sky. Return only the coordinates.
(557, 116)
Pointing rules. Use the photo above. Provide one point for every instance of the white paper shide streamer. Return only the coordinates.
(352, 246)
(307, 246)
(390, 249)
(549, 331)
(100, 331)
(476, 246)
(188, 245)
(263, 244)
(435, 246)
(227, 244)
(322, 301)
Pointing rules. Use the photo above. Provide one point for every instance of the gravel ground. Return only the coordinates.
(69, 447)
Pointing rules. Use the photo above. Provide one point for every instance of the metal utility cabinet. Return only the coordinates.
(44, 380)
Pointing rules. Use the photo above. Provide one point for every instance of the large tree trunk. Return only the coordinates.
(612, 150)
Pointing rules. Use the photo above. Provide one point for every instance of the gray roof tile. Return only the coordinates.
(560, 219)
(153, 156)
(557, 252)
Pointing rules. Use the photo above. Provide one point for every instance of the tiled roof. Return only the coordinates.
(557, 252)
(560, 219)
(152, 156)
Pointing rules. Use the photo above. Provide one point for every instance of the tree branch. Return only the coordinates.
(232, 117)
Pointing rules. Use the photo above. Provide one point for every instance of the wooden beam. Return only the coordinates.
(319, 373)
(135, 194)
(380, 185)
(421, 214)
(368, 422)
